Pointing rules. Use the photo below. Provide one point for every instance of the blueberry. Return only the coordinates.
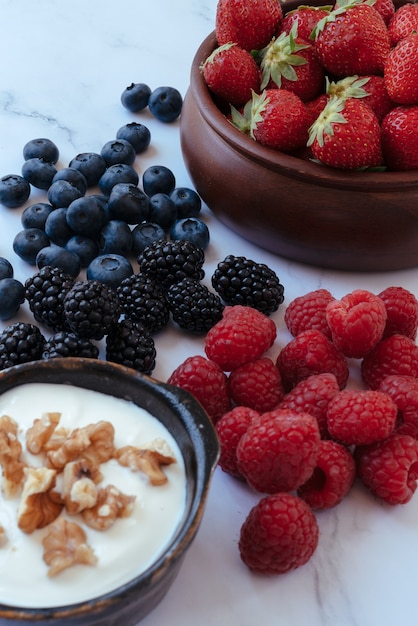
(129, 203)
(34, 216)
(85, 248)
(110, 269)
(39, 172)
(73, 176)
(165, 103)
(118, 151)
(91, 165)
(163, 210)
(116, 238)
(86, 216)
(61, 193)
(120, 173)
(158, 179)
(6, 268)
(191, 229)
(145, 234)
(135, 97)
(28, 242)
(57, 228)
(42, 149)
(187, 201)
(14, 191)
(12, 295)
(57, 256)
(137, 134)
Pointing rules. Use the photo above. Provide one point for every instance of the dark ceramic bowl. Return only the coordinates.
(293, 207)
(196, 438)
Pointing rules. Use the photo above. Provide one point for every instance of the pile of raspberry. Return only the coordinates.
(296, 427)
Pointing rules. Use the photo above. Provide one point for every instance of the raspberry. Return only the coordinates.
(279, 451)
(357, 322)
(307, 312)
(402, 312)
(404, 392)
(332, 477)
(389, 468)
(257, 385)
(395, 355)
(230, 429)
(312, 395)
(311, 353)
(361, 417)
(205, 380)
(242, 335)
(279, 534)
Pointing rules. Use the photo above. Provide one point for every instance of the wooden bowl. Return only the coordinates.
(361, 221)
(193, 431)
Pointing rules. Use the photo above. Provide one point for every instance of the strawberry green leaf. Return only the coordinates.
(323, 125)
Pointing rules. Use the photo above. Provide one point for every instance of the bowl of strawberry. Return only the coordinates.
(300, 129)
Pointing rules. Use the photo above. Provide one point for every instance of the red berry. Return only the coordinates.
(389, 468)
(395, 355)
(249, 23)
(357, 322)
(242, 335)
(279, 450)
(404, 392)
(257, 385)
(279, 534)
(311, 353)
(332, 477)
(230, 428)
(402, 312)
(400, 137)
(306, 18)
(401, 71)
(361, 417)
(404, 22)
(308, 312)
(205, 380)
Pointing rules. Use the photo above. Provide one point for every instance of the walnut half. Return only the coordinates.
(40, 504)
(111, 504)
(10, 455)
(65, 544)
(79, 489)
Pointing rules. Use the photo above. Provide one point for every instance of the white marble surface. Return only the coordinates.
(64, 66)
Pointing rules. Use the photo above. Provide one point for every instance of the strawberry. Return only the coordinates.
(352, 39)
(400, 138)
(231, 73)
(346, 135)
(401, 71)
(290, 62)
(306, 17)
(371, 88)
(403, 23)
(249, 23)
(386, 8)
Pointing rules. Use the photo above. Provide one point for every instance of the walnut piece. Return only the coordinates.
(72, 447)
(102, 442)
(79, 489)
(10, 456)
(40, 504)
(40, 432)
(145, 460)
(65, 544)
(111, 504)
(94, 442)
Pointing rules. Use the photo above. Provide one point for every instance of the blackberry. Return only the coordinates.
(20, 343)
(168, 262)
(239, 280)
(130, 344)
(91, 308)
(45, 292)
(65, 344)
(193, 306)
(143, 300)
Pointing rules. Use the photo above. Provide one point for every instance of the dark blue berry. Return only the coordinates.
(14, 191)
(34, 216)
(110, 269)
(12, 295)
(187, 201)
(135, 97)
(84, 247)
(137, 134)
(118, 151)
(61, 193)
(145, 234)
(129, 203)
(57, 256)
(6, 268)
(116, 238)
(163, 211)
(57, 228)
(42, 149)
(120, 173)
(192, 229)
(158, 179)
(39, 172)
(28, 242)
(86, 216)
(73, 176)
(165, 103)
(91, 165)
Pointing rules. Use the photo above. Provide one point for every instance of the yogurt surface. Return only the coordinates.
(132, 543)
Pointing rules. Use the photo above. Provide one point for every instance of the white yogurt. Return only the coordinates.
(131, 544)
